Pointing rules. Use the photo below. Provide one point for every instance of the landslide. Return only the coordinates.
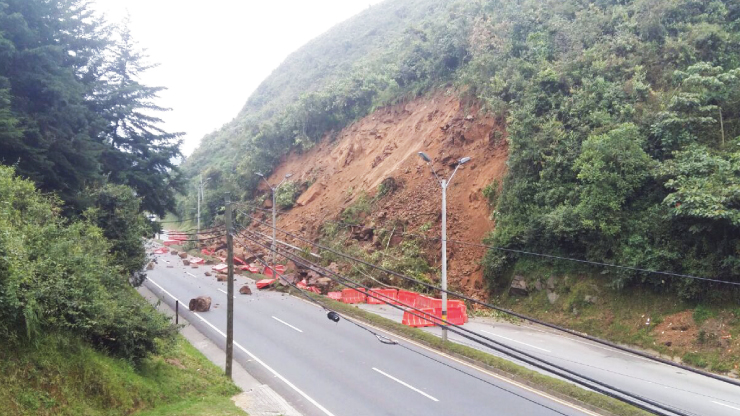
(350, 166)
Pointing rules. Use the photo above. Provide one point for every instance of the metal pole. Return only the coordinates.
(273, 228)
(444, 257)
(177, 312)
(230, 288)
(200, 195)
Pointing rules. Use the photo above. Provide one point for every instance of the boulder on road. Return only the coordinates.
(200, 304)
(222, 277)
(183, 255)
(173, 252)
(245, 290)
(150, 266)
(208, 273)
(186, 262)
(519, 286)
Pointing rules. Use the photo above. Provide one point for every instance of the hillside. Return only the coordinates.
(620, 123)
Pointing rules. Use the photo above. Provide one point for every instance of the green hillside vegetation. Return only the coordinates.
(60, 375)
(623, 121)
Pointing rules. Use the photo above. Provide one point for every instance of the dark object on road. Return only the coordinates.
(245, 290)
(183, 255)
(207, 273)
(174, 252)
(222, 277)
(200, 304)
(333, 316)
(186, 262)
(150, 266)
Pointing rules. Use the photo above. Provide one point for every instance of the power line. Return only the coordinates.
(510, 312)
(529, 358)
(177, 221)
(551, 256)
(383, 339)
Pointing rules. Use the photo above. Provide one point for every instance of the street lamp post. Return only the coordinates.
(200, 186)
(444, 183)
(274, 212)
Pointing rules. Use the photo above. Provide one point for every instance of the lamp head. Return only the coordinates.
(288, 175)
(425, 157)
(463, 161)
(259, 174)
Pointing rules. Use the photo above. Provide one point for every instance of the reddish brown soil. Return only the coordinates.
(385, 145)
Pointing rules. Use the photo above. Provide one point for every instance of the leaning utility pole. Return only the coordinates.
(230, 287)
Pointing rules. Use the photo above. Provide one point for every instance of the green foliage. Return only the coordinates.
(355, 213)
(702, 313)
(615, 113)
(61, 375)
(71, 110)
(56, 275)
(115, 209)
(286, 194)
(491, 192)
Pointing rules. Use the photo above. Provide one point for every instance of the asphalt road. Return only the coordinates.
(327, 368)
(691, 392)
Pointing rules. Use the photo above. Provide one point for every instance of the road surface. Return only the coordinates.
(327, 368)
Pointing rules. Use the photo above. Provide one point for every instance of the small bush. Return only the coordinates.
(286, 195)
(702, 313)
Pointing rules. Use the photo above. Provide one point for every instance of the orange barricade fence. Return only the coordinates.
(168, 243)
(423, 302)
(261, 284)
(335, 295)
(353, 296)
(451, 303)
(382, 296)
(454, 316)
(407, 297)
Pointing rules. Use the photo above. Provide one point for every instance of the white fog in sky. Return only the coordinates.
(213, 54)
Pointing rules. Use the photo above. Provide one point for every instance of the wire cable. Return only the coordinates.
(551, 256)
(385, 340)
(510, 312)
(529, 358)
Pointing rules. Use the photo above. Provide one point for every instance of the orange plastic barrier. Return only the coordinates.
(353, 296)
(261, 284)
(334, 295)
(168, 243)
(250, 269)
(179, 237)
(424, 302)
(197, 260)
(206, 252)
(407, 297)
(454, 316)
(161, 250)
(382, 296)
(220, 268)
(240, 261)
(313, 289)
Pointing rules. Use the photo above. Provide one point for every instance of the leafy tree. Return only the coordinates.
(140, 154)
(705, 184)
(611, 167)
(115, 209)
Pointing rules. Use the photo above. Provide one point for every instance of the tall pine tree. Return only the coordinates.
(138, 152)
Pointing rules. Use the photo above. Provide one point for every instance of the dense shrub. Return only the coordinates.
(58, 275)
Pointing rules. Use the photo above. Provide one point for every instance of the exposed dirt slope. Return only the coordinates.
(385, 145)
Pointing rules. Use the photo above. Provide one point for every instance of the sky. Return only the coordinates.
(212, 57)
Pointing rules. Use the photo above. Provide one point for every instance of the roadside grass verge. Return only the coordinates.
(60, 375)
(550, 385)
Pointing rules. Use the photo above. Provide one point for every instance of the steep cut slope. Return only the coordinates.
(384, 145)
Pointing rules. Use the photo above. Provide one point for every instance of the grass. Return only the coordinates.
(547, 384)
(627, 316)
(61, 375)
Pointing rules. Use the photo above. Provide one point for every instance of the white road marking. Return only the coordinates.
(223, 291)
(283, 322)
(406, 384)
(190, 274)
(513, 340)
(726, 405)
(254, 357)
(467, 364)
